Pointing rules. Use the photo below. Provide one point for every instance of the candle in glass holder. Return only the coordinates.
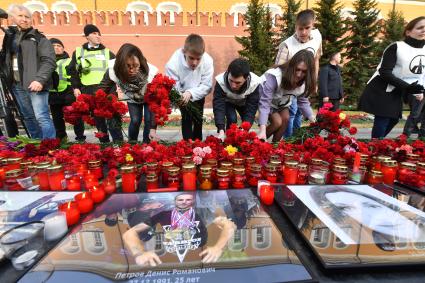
(90, 180)
(25, 164)
(152, 167)
(302, 176)
(129, 182)
(84, 202)
(205, 182)
(420, 170)
(412, 158)
(266, 194)
(339, 175)
(406, 173)
(81, 169)
(238, 178)
(316, 178)
(56, 177)
(270, 173)
(290, 173)
(95, 167)
(97, 194)
(71, 211)
(151, 182)
(254, 175)
(174, 177)
(238, 162)
(55, 226)
(189, 177)
(389, 170)
(374, 177)
(186, 159)
(11, 183)
(228, 166)
(109, 185)
(223, 179)
(14, 163)
(73, 183)
(43, 176)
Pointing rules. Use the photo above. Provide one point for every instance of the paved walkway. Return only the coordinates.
(176, 135)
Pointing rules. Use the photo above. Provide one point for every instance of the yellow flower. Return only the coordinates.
(342, 116)
(231, 150)
(128, 157)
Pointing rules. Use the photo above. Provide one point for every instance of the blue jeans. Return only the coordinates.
(295, 119)
(136, 116)
(34, 108)
(382, 126)
(231, 116)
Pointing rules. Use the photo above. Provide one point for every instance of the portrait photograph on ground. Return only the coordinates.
(203, 236)
(357, 225)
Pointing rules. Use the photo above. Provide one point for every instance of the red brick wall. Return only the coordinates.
(156, 42)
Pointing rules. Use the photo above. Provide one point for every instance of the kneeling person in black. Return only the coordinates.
(235, 90)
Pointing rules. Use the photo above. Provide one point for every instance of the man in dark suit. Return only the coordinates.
(330, 82)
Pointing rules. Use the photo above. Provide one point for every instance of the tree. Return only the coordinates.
(331, 26)
(393, 28)
(259, 47)
(290, 10)
(361, 50)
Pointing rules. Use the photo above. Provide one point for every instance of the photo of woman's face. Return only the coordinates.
(376, 216)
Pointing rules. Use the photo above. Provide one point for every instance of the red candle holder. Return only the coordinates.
(81, 169)
(290, 172)
(84, 202)
(109, 185)
(266, 194)
(189, 177)
(151, 182)
(238, 178)
(174, 177)
(95, 167)
(389, 170)
(128, 176)
(43, 177)
(73, 183)
(71, 211)
(223, 179)
(90, 181)
(56, 176)
(97, 194)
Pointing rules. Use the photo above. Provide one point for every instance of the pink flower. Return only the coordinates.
(198, 150)
(197, 160)
(405, 147)
(207, 150)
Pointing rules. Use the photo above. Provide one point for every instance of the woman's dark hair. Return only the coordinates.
(289, 69)
(126, 51)
(411, 25)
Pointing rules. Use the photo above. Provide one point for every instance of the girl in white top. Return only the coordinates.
(295, 78)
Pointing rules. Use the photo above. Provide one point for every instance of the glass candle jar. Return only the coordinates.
(186, 159)
(389, 170)
(32, 172)
(420, 170)
(204, 169)
(279, 168)
(213, 163)
(238, 162)
(412, 158)
(339, 175)
(81, 169)
(288, 156)
(274, 157)
(25, 164)
(339, 161)
(374, 177)
(73, 183)
(174, 177)
(14, 163)
(189, 177)
(290, 173)
(90, 180)
(43, 176)
(11, 183)
(406, 173)
(228, 166)
(316, 178)
(205, 181)
(270, 173)
(95, 166)
(254, 175)
(151, 182)
(128, 176)
(302, 177)
(238, 180)
(56, 178)
(359, 176)
(223, 179)
(164, 171)
(152, 167)
(109, 185)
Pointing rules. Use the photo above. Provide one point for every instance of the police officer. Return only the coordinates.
(61, 93)
(88, 65)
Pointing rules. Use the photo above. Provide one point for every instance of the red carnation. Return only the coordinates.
(352, 130)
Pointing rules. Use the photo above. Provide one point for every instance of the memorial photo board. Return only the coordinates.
(357, 225)
(184, 230)
(21, 207)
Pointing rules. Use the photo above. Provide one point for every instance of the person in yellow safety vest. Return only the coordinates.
(89, 63)
(61, 94)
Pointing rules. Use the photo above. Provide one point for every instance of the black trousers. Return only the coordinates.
(190, 128)
(59, 123)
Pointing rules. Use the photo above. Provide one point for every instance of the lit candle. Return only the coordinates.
(73, 183)
(97, 194)
(95, 166)
(56, 178)
(43, 177)
(128, 176)
(55, 226)
(90, 181)
(71, 211)
(84, 202)
(109, 185)
(266, 194)
(189, 177)
(81, 169)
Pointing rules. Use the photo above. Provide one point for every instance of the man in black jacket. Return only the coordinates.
(330, 82)
(61, 93)
(88, 65)
(235, 90)
(29, 61)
